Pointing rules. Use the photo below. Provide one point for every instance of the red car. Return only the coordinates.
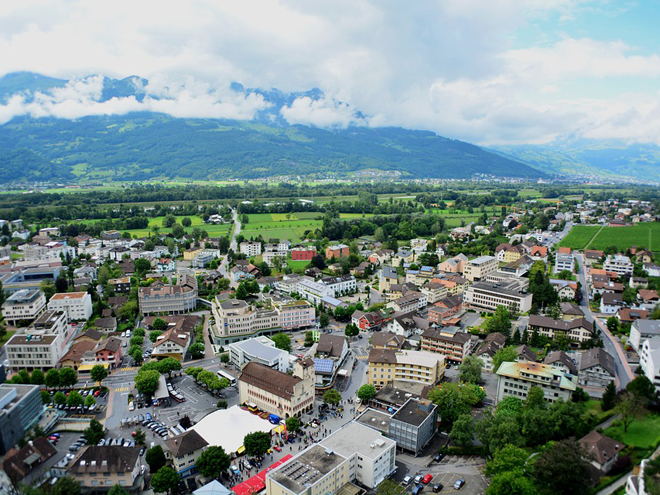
(97, 393)
(427, 479)
(278, 448)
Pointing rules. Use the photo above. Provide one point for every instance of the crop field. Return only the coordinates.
(645, 235)
(212, 229)
(277, 225)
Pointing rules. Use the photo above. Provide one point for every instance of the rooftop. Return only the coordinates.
(539, 372)
(355, 438)
(68, 295)
(256, 347)
(414, 412)
(373, 418)
(306, 468)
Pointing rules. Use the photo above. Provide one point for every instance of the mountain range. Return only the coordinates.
(100, 128)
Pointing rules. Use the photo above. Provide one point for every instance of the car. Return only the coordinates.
(74, 448)
(417, 490)
(142, 451)
(131, 406)
(70, 456)
(278, 448)
(97, 393)
(437, 487)
(459, 484)
(407, 480)
(140, 418)
(427, 479)
(418, 479)
(147, 416)
(438, 457)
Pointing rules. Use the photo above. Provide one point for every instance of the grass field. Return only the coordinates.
(277, 225)
(7, 336)
(643, 433)
(213, 230)
(645, 235)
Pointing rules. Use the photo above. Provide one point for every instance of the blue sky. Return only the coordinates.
(489, 72)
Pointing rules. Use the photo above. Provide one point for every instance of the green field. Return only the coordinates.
(7, 336)
(643, 433)
(213, 230)
(645, 235)
(277, 225)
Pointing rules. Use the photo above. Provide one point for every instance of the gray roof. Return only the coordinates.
(597, 356)
(233, 304)
(256, 348)
(648, 327)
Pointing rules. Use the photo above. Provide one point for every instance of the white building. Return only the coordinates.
(479, 268)
(640, 330)
(269, 256)
(489, 296)
(313, 291)
(515, 379)
(24, 304)
(564, 261)
(77, 305)
(619, 264)
(339, 286)
(250, 248)
(261, 350)
(42, 344)
(649, 360)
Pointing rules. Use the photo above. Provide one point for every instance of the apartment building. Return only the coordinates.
(270, 256)
(619, 264)
(564, 261)
(250, 248)
(434, 292)
(640, 330)
(42, 344)
(23, 305)
(302, 254)
(388, 365)
(260, 350)
(77, 305)
(235, 319)
(20, 408)
(515, 379)
(506, 253)
(355, 453)
(387, 276)
(169, 299)
(479, 268)
(184, 450)
(276, 392)
(488, 296)
(649, 360)
(296, 314)
(578, 330)
(337, 251)
(340, 286)
(98, 468)
(414, 424)
(314, 291)
(412, 301)
(120, 285)
(450, 342)
(445, 309)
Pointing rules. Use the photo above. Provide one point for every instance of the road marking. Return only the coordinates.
(130, 368)
(122, 389)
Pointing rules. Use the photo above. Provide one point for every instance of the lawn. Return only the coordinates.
(212, 229)
(7, 336)
(295, 265)
(645, 235)
(643, 433)
(276, 225)
(579, 236)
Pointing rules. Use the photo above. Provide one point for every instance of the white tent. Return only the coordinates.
(228, 427)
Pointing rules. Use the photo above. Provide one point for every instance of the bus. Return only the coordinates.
(232, 379)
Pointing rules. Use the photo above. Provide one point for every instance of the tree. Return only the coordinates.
(118, 490)
(613, 324)
(48, 288)
(90, 401)
(609, 397)
(74, 399)
(500, 321)
(68, 377)
(562, 469)
(351, 330)
(140, 437)
(61, 284)
(504, 355)
(94, 432)
(470, 370)
(508, 458)
(537, 427)
(37, 377)
(45, 397)
(241, 292)
(292, 424)
(451, 404)
(186, 222)
(168, 365)
(256, 443)
(511, 483)
(146, 382)
(331, 397)
(324, 320)
(390, 487)
(212, 462)
(535, 398)
(224, 358)
(159, 324)
(66, 485)
(643, 390)
(366, 392)
(59, 398)
(98, 373)
(154, 334)
(136, 353)
(165, 480)
(129, 311)
(510, 406)
(494, 432)
(630, 408)
(462, 431)
(196, 350)
(282, 341)
(155, 457)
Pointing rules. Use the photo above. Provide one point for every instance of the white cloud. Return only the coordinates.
(320, 113)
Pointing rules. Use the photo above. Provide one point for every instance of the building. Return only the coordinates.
(515, 379)
(386, 277)
(649, 360)
(302, 254)
(486, 352)
(506, 253)
(276, 392)
(387, 340)
(270, 256)
(169, 299)
(337, 251)
(340, 286)
(564, 262)
(183, 450)
(235, 319)
(610, 303)
(367, 321)
(619, 264)
(354, 454)
(453, 265)
(389, 365)
(561, 361)
(445, 309)
(19, 465)
(77, 305)
(452, 343)
(120, 285)
(413, 426)
(99, 468)
(20, 409)
(597, 368)
(42, 344)
(260, 350)
(23, 305)
(174, 343)
(412, 301)
(640, 330)
(295, 315)
(250, 248)
(578, 330)
(479, 268)
(314, 291)
(434, 292)
(488, 296)
(601, 451)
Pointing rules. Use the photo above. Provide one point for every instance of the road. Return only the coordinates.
(623, 371)
(222, 268)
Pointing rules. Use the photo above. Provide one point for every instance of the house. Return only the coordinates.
(412, 301)
(647, 299)
(525, 354)
(302, 254)
(367, 321)
(597, 368)
(515, 379)
(638, 282)
(74, 356)
(183, 450)
(337, 251)
(564, 262)
(390, 366)
(539, 253)
(570, 311)
(578, 330)
(387, 340)
(561, 361)
(605, 287)
(592, 256)
(628, 315)
(611, 303)
(565, 288)
(250, 248)
(649, 360)
(106, 325)
(108, 351)
(19, 464)
(107, 465)
(173, 343)
(453, 265)
(419, 245)
(644, 256)
(448, 341)
(444, 309)
(164, 265)
(403, 256)
(601, 451)
(640, 330)
(652, 269)
(434, 291)
(506, 253)
(493, 343)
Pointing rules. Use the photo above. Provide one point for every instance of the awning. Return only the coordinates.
(241, 450)
(88, 367)
(278, 429)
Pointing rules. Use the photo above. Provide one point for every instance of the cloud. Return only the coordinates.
(320, 113)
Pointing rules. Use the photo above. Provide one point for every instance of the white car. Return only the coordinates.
(131, 406)
(407, 480)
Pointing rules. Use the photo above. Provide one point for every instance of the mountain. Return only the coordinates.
(144, 145)
(591, 158)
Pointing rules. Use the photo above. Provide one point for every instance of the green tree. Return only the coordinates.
(470, 370)
(74, 399)
(66, 485)
(292, 424)
(643, 390)
(136, 353)
(45, 397)
(159, 324)
(94, 432)
(140, 437)
(155, 457)
(630, 408)
(451, 404)
(48, 288)
(510, 406)
(186, 222)
(90, 401)
(165, 480)
(390, 487)
(562, 469)
(37, 377)
(59, 398)
(212, 462)
(351, 330)
(154, 334)
(462, 431)
(98, 373)
(168, 365)
(256, 443)
(196, 350)
(282, 341)
(613, 324)
(511, 483)
(504, 355)
(366, 392)
(567, 419)
(324, 320)
(535, 398)
(494, 432)
(500, 322)
(241, 292)
(118, 490)
(536, 424)
(68, 377)
(609, 397)
(135, 340)
(508, 458)
(146, 382)
(224, 358)
(331, 397)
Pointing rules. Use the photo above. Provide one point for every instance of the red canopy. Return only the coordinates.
(257, 482)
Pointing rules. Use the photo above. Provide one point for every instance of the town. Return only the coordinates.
(382, 343)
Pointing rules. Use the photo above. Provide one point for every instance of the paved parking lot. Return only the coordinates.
(447, 472)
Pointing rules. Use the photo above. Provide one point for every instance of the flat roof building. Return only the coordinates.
(23, 305)
(20, 408)
(515, 379)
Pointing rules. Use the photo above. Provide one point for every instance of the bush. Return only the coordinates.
(222, 404)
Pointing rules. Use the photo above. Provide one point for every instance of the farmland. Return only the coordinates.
(579, 236)
(213, 230)
(645, 235)
(291, 226)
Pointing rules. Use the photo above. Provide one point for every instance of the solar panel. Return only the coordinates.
(323, 365)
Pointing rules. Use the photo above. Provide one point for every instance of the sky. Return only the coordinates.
(501, 72)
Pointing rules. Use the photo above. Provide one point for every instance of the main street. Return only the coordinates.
(623, 371)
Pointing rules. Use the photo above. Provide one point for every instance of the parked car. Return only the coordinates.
(459, 484)
(438, 457)
(417, 490)
(427, 479)
(437, 487)
(418, 479)
(407, 480)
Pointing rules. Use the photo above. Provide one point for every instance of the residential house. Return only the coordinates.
(367, 321)
(445, 309)
(506, 253)
(387, 340)
(525, 354)
(597, 368)
(610, 304)
(20, 409)
(453, 265)
(561, 361)
(337, 251)
(412, 301)
(403, 256)
(539, 253)
(628, 315)
(601, 451)
(451, 342)
(18, 464)
(515, 379)
(564, 262)
(649, 360)
(389, 365)
(578, 330)
(105, 466)
(106, 325)
(564, 288)
(486, 351)
(175, 343)
(302, 254)
(434, 291)
(570, 311)
(184, 450)
(647, 299)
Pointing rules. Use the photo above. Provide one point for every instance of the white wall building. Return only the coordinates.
(250, 248)
(261, 350)
(619, 264)
(77, 305)
(25, 304)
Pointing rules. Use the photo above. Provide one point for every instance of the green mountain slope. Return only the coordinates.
(143, 146)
